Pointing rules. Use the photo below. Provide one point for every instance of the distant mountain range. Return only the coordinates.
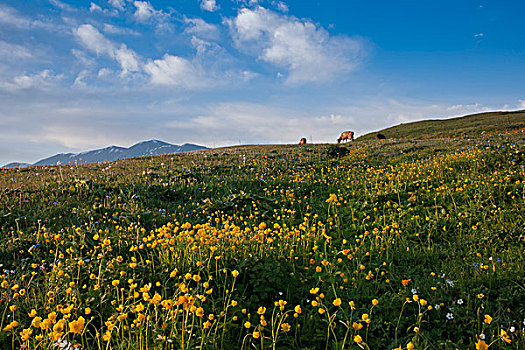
(109, 154)
(16, 165)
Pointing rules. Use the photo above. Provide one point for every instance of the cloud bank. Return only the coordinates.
(306, 51)
(96, 42)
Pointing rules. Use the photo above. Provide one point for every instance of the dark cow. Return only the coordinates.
(380, 137)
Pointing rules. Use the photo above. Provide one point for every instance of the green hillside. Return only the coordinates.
(368, 245)
(470, 126)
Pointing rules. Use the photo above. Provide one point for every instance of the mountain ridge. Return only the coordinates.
(112, 153)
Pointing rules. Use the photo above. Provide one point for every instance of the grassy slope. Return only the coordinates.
(432, 213)
(466, 126)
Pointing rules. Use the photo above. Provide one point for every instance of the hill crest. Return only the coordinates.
(472, 125)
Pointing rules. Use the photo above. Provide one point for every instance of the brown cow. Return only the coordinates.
(346, 135)
(302, 141)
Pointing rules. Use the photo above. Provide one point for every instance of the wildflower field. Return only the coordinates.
(396, 244)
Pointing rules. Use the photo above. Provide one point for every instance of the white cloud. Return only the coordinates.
(104, 72)
(75, 137)
(94, 41)
(209, 5)
(201, 46)
(61, 5)
(472, 107)
(307, 51)
(111, 29)
(82, 57)
(95, 8)
(27, 81)
(479, 35)
(10, 16)
(41, 80)
(10, 51)
(201, 28)
(248, 75)
(79, 80)
(214, 59)
(281, 6)
(144, 11)
(113, 12)
(127, 59)
(176, 71)
(118, 4)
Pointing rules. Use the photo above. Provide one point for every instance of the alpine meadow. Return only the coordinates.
(394, 244)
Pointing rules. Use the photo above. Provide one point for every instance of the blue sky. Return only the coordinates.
(78, 75)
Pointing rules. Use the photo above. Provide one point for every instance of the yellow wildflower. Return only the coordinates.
(332, 198)
(481, 345)
(107, 336)
(10, 326)
(78, 325)
(36, 322)
(25, 334)
(156, 299)
(199, 312)
(357, 326)
(504, 336)
(488, 319)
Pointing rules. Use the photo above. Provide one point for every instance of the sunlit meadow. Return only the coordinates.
(393, 244)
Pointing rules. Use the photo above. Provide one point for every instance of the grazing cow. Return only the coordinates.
(302, 141)
(346, 135)
(380, 137)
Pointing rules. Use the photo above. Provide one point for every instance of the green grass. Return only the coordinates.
(470, 126)
(270, 247)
